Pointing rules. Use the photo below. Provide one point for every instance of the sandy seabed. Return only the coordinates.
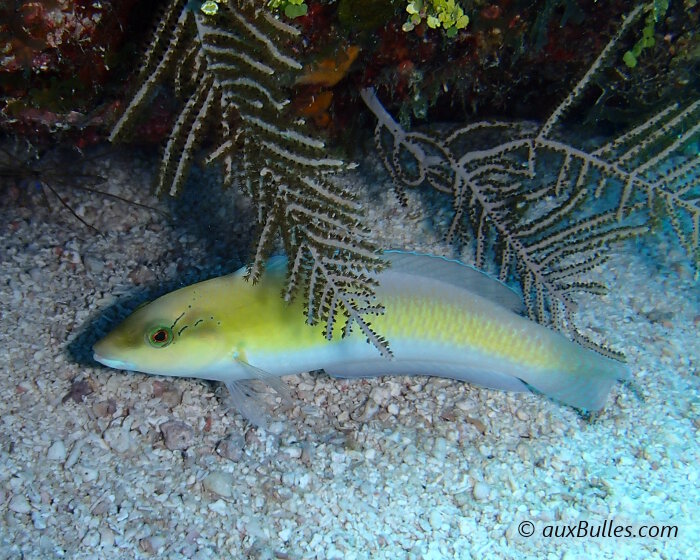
(96, 463)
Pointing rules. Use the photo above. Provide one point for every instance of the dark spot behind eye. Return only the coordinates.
(176, 320)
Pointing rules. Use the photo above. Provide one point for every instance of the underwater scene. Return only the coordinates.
(349, 279)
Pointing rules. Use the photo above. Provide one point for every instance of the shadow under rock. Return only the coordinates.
(223, 219)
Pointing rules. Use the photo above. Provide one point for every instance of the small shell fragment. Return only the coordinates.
(178, 435)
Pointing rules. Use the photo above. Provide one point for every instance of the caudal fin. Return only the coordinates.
(584, 382)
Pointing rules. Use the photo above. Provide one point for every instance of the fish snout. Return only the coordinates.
(101, 354)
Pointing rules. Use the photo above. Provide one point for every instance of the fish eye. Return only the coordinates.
(160, 337)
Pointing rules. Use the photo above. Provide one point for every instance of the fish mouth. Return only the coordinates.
(110, 362)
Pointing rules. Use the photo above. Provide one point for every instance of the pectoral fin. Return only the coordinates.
(245, 400)
(248, 401)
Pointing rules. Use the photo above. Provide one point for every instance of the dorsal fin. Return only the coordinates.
(454, 272)
(276, 264)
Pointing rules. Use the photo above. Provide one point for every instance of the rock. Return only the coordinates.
(435, 519)
(219, 506)
(141, 275)
(79, 389)
(38, 520)
(524, 452)
(365, 411)
(220, 483)
(57, 451)
(167, 392)
(88, 474)
(93, 264)
(118, 438)
(293, 451)
(462, 500)
(481, 491)
(74, 454)
(231, 447)
(178, 435)
(101, 507)
(380, 395)
(466, 405)
(151, 545)
(522, 415)
(276, 428)
(19, 504)
(36, 275)
(440, 449)
(91, 539)
(106, 537)
(105, 408)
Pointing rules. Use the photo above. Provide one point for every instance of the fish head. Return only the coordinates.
(180, 334)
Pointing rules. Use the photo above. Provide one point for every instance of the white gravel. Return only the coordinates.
(96, 463)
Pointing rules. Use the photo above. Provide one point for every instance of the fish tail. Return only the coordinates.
(583, 382)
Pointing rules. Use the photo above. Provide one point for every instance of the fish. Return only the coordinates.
(442, 318)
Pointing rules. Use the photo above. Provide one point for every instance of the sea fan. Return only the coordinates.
(546, 211)
(231, 68)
